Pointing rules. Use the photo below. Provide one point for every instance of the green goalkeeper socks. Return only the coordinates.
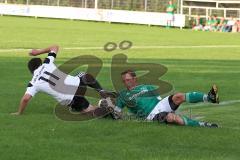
(194, 97)
(190, 122)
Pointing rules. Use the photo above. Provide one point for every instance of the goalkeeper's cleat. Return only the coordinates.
(213, 94)
(209, 125)
(105, 94)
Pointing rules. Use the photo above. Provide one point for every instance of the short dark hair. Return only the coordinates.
(34, 63)
(129, 71)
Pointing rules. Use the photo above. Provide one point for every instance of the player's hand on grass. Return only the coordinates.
(33, 52)
(15, 114)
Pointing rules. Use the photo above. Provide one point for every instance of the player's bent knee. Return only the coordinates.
(178, 98)
(179, 120)
(170, 118)
(175, 119)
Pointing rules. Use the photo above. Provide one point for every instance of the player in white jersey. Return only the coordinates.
(66, 89)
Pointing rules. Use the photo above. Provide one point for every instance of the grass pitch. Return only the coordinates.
(195, 60)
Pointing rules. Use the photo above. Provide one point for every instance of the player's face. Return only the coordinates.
(129, 81)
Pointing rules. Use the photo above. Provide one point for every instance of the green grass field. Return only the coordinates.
(38, 134)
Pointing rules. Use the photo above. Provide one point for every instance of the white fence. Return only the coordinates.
(132, 5)
(121, 16)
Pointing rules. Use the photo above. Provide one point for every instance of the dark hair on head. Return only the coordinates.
(34, 63)
(129, 71)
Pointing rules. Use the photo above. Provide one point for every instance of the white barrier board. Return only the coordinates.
(121, 16)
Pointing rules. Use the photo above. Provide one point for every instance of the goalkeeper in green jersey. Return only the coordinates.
(143, 101)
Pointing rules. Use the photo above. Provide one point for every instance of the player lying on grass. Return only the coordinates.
(66, 89)
(143, 102)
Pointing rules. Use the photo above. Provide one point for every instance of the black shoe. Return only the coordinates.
(213, 94)
(210, 125)
(105, 94)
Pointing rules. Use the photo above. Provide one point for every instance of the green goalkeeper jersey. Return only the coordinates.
(140, 100)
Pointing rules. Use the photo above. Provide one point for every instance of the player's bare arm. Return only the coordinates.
(36, 52)
(23, 104)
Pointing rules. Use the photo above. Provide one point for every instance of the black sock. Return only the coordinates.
(96, 86)
(90, 81)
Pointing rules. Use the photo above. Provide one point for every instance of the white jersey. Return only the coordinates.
(48, 79)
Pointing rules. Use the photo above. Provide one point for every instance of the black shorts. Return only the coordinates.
(79, 103)
(82, 87)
